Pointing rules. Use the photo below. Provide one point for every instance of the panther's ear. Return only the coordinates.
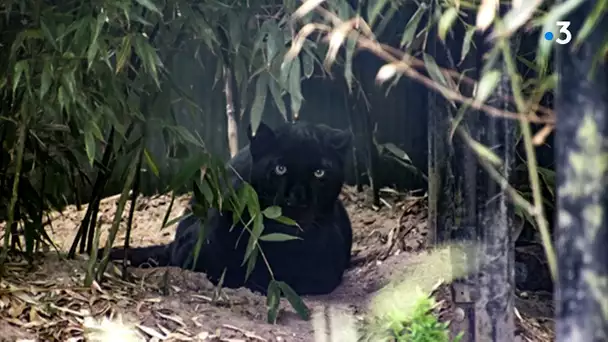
(340, 141)
(262, 141)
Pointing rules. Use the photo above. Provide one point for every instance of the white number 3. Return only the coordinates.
(563, 28)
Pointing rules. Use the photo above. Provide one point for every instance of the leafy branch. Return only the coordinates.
(337, 31)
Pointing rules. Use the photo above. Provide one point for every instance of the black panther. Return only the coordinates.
(299, 167)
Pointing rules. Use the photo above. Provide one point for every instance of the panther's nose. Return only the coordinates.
(297, 196)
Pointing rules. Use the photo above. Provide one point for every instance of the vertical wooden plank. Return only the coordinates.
(582, 165)
(494, 320)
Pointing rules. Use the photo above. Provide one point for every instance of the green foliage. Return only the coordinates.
(423, 326)
(391, 152)
(248, 199)
(213, 190)
(91, 89)
(273, 301)
(402, 310)
(548, 184)
(500, 78)
(72, 73)
(65, 81)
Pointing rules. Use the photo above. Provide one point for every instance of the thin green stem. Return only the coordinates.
(539, 214)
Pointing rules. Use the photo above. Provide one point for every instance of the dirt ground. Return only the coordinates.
(48, 303)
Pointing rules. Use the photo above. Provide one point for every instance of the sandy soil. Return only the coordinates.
(48, 301)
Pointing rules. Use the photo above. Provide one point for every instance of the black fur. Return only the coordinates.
(298, 167)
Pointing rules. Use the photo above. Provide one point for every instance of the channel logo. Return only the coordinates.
(564, 35)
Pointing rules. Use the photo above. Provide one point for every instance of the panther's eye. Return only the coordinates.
(319, 173)
(280, 170)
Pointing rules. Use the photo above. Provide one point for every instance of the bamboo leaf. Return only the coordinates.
(124, 53)
(278, 98)
(278, 237)
(351, 45)
(235, 31)
(69, 83)
(150, 161)
(62, 98)
(486, 85)
(256, 232)
(20, 67)
(295, 90)
(486, 14)
(48, 34)
(373, 10)
(399, 153)
(308, 65)
(94, 46)
(45, 79)
(94, 128)
(149, 5)
(412, 25)
(188, 169)
(259, 102)
(296, 302)
(89, 143)
(601, 7)
(446, 21)
(485, 153)
(286, 221)
(433, 69)
(273, 42)
(251, 261)
(517, 17)
(273, 299)
(436, 74)
(261, 35)
(272, 212)
(466, 45)
(204, 189)
(148, 56)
